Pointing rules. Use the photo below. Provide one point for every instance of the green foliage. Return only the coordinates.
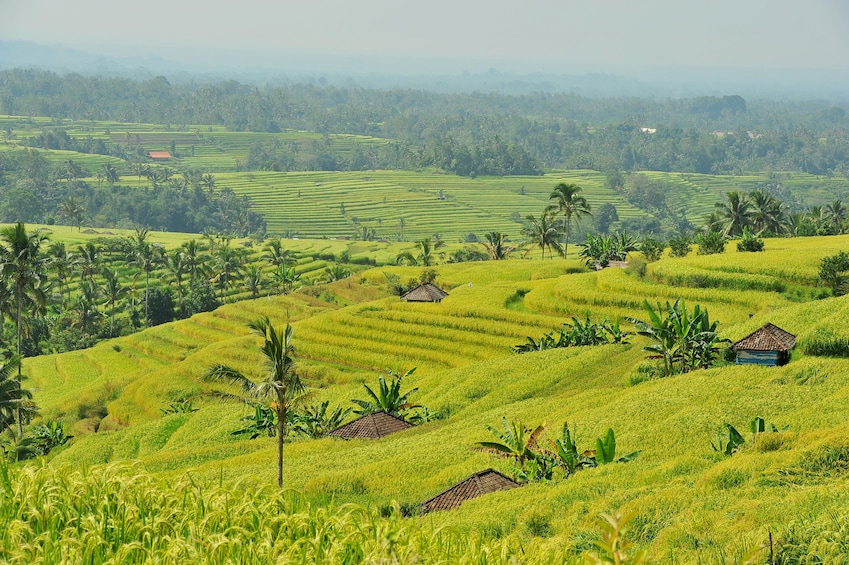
(679, 245)
(728, 440)
(684, 340)
(833, 271)
(605, 448)
(185, 406)
(652, 248)
(750, 241)
(388, 397)
(316, 422)
(711, 243)
(579, 332)
(614, 548)
(49, 435)
(263, 422)
(514, 441)
(601, 249)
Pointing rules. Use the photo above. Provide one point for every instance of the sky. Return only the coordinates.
(616, 36)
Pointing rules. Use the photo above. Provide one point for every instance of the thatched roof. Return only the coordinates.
(427, 292)
(478, 484)
(767, 338)
(372, 426)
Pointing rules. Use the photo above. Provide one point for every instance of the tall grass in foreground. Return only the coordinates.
(121, 514)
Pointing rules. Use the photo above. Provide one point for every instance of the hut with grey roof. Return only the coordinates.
(427, 292)
(477, 485)
(768, 345)
(371, 426)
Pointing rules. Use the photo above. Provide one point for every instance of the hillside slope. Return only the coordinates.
(691, 503)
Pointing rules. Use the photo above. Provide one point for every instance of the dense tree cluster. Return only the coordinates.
(34, 190)
(473, 133)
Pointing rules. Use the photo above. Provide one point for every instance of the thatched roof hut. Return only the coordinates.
(427, 292)
(371, 426)
(768, 345)
(478, 484)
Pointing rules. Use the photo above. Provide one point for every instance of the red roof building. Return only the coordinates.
(159, 154)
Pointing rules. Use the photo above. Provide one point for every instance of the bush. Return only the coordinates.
(679, 245)
(750, 242)
(711, 243)
(637, 266)
(652, 248)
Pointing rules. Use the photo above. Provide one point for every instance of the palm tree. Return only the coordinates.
(768, 214)
(12, 396)
(146, 257)
(88, 261)
(736, 213)
(286, 277)
(23, 266)
(835, 215)
(61, 262)
(542, 232)
(228, 264)
(194, 259)
(281, 384)
(73, 210)
(254, 280)
(114, 291)
(276, 255)
(426, 256)
(571, 205)
(177, 265)
(496, 246)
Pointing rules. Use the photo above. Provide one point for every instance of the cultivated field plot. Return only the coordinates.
(689, 499)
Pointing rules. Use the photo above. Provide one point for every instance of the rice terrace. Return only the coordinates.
(236, 341)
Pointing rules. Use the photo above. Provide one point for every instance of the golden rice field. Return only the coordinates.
(181, 488)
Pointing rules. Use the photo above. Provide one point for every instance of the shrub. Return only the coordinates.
(679, 245)
(711, 243)
(751, 242)
(833, 273)
(652, 248)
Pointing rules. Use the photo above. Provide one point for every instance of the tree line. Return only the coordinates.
(716, 134)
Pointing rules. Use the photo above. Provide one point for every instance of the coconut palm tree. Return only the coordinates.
(88, 261)
(768, 213)
(12, 396)
(114, 291)
(22, 265)
(426, 256)
(542, 232)
(571, 205)
(254, 279)
(61, 262)
(281, 384)
(177, 266)
(72, 209)
(496, 246)
(736, 213)
(146, 257)
(276, 255)
(194, 259)
(835, 215)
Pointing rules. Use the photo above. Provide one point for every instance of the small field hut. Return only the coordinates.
(427, 292)
(477, 485)
(768, 345)
(159, 155)
(371, 426)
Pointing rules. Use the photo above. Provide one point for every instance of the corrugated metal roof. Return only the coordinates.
(767, 338)
(159, 155)
(371, 426)
(478, 484)
(427, 292)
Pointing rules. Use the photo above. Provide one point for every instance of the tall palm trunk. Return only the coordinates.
(281, 430)
(20, 377)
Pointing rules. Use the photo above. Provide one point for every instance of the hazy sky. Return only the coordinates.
(532, 35)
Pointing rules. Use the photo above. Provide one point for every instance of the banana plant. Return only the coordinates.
(515, 441)
(387, 397)
(728, 440)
